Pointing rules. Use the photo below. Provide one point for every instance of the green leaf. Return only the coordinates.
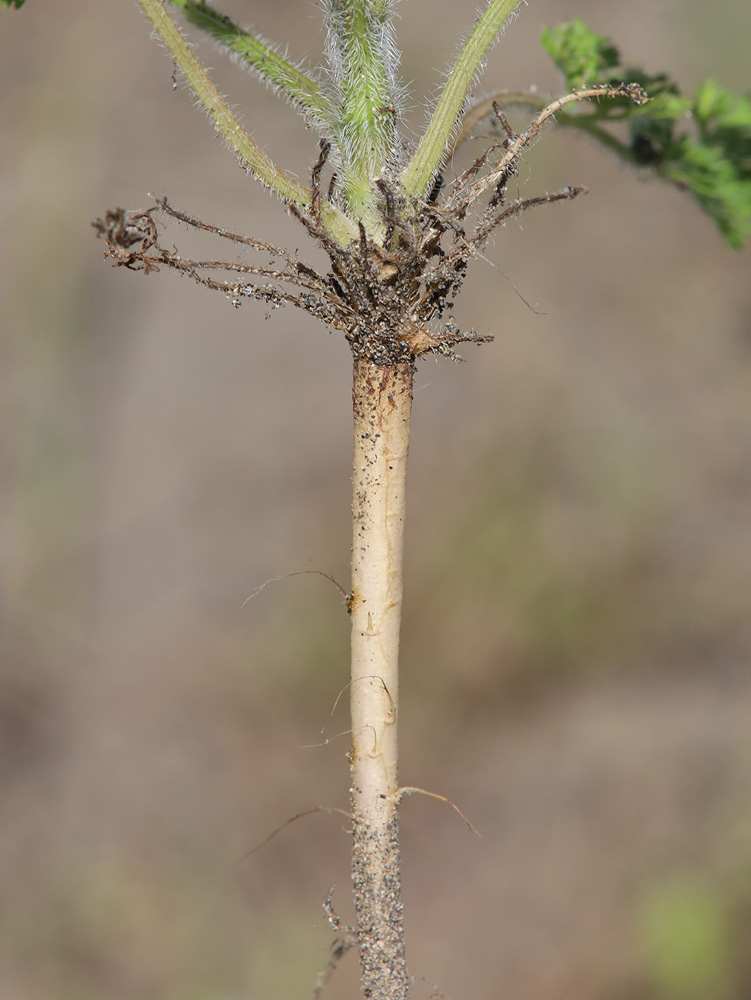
(715, 184)
(12, 3)
(582, 55)
(700, 144)
(724, 119)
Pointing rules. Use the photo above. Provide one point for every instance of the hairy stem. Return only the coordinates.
(382, 403)
(304, 92)
(226, 122)
(422, 168)
(362, 56)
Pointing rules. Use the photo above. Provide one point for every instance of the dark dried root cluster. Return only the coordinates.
(397, 292)
(391, 305)
(132, 238)
(390, 293)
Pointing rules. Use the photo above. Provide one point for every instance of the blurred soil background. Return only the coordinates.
(577, 633)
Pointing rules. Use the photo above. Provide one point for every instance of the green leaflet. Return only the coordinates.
(701, 144)
(582, 56)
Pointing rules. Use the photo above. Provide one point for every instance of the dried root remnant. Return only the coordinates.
(391, 293)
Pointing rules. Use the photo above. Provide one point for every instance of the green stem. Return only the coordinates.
(422, 168)
(362, 57)
(300, 89)
(226, 122)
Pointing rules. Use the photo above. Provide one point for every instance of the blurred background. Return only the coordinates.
(577, 635)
